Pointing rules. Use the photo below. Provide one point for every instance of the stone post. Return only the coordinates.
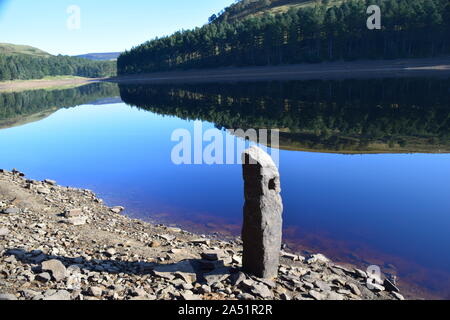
(262, 229)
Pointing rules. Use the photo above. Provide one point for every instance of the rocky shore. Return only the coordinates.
(59, 243)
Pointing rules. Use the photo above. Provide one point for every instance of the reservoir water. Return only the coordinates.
(365, 165)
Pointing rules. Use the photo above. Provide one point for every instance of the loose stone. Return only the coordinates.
(77, 221)
(11, 211)
(7, 297)
(71, 213)
(390, 286)
(61, 295)
(44, 277)
(4, 232)
(398, 296)
(96, 291)
(117, 209)
(57, 269)
(354, 288)
(50, 182)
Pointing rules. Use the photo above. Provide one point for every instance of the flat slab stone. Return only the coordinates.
(77, 221)
(258, 289)
(170, 271)
(50, 182)
(61, 295)
(212, 255)
(216, 276)
(42, 190)
(7, 297)
(201, 241)
(167, 237)
(11, 211)
(317, 295)
(189, 296)
(71, 213)
(117, 209)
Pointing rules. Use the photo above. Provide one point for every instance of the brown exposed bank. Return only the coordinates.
(363, 69)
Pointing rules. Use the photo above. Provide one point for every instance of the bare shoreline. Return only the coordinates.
(50, 83)
(361, 69)
(62, 243)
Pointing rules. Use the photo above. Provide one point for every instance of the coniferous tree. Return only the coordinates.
(325, 32)
(24, 67)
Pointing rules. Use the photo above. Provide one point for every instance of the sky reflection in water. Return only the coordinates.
(394, 204)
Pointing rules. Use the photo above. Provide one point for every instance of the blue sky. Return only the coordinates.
(106, 26)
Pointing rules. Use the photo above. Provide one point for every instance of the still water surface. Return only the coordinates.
(392, 210)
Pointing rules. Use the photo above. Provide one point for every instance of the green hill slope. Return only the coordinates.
(20, 62)
(12, 49)
(246, 8)
(308, 32)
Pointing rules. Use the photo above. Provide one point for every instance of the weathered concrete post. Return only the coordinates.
(262, 230)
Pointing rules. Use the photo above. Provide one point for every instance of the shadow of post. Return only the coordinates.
(201, 268)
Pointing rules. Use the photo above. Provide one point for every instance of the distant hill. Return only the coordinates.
(107, 56)
(13, 49)
(20, 62)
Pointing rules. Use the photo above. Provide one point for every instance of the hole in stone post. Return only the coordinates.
(273, 184)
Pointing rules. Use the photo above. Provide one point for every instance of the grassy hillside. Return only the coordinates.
(315, 32)
(19, 62)
(245, 8)
(13, 49)
(18, 108)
